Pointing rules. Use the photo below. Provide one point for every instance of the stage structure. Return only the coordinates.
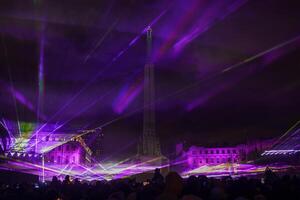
(286, 149)
(66, 152)
(37, 143)
(149, 150)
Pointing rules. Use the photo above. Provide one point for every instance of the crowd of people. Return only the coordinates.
(171, 187)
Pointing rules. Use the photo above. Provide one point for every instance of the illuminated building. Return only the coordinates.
(56, 147)
(69, 153)
(196, 156)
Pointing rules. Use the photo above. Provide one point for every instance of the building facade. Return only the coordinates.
(68, 153)
(33, 143)
(197, 156)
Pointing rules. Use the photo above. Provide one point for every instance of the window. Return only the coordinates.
(67, 160)
(195, 162)
(211, 151)
(206, 160)
(229, 159)
(218, 161)
(52, 159)
(58, 159)
(206, 152)
(194, 152)
(228, 150)
(212, 160)
(217, 151)
(234, 151)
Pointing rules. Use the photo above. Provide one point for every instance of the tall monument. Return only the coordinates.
(149, 144)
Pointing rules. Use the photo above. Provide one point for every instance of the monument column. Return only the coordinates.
(150, 143)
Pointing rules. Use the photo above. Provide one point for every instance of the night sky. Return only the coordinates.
(93, 52)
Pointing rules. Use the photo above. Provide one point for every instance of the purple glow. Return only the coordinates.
(197, 156)
(134, 40)
(99, 73)
(267, 57)
(80, 171)
(84, 172)
(219, 88)
(234, 170)
(65, 154)
(41, 80)
(6, 143)
(127, 95)
(70, 119)
(210, 16)
(189, 12)
(68, 159)
(202, 156)
(20, 97)
(203, 54)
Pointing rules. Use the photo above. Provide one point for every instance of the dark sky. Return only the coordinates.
(93, 55)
